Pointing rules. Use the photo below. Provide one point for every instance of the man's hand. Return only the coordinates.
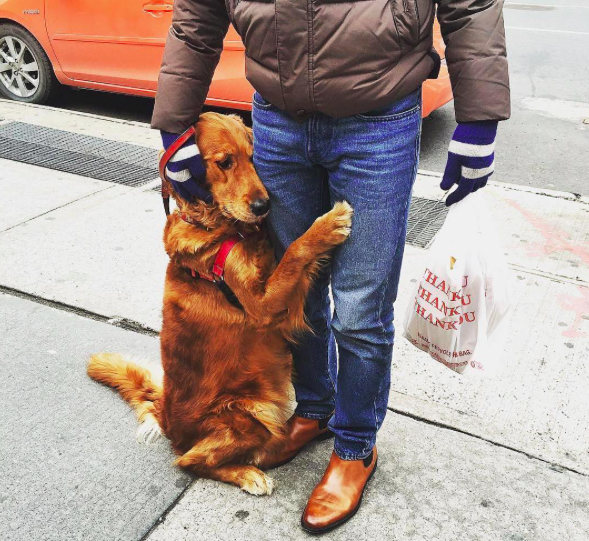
(186, 169)
(471, 158)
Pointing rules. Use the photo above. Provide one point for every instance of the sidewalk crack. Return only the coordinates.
(162, 518)
(56, 208)
(552, 465)
(115, 321)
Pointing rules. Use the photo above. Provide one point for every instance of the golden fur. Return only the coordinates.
(225, 394)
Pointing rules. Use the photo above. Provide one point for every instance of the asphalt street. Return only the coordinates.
(546, 142)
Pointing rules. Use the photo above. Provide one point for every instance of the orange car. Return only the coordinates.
(117, 46)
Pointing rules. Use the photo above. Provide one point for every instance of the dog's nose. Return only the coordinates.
(260, 206)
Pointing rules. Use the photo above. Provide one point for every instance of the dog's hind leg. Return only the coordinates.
(248, 478)
(212, 458)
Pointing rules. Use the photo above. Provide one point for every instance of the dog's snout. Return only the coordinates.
(260, 206)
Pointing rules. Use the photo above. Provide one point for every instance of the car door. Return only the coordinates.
(118, 42)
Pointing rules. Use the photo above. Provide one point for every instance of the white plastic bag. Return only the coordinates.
(463, 293)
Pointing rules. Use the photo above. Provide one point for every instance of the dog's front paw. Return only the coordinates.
(334, 227)
(256, 482)
(342, 220)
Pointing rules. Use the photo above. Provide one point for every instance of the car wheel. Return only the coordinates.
(25, 71)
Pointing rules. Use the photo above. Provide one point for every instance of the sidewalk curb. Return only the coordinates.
(568, 196)
(75, 113)
(424, 173)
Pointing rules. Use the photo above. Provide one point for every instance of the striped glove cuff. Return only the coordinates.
(186, 162)
(186, 169)
(471, 158)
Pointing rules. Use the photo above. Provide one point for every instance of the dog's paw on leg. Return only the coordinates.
(342, 219)
(256, 482)
(334, 227)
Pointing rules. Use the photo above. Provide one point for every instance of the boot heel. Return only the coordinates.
(325, 436)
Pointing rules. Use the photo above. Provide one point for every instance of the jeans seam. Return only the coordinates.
(381, 303)
(327, 355)
(314, 416)
(308, 132)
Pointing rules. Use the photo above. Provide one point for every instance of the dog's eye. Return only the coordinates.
(226, 163)
(251, 157)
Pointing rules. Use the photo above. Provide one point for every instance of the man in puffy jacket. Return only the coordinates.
(337, 116)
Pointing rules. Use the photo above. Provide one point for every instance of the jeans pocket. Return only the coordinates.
(260, 102)
(400, 108)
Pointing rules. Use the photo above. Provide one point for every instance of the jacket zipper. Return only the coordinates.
(310, 53)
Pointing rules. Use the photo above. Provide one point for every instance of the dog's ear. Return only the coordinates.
(199, 127)
(235, 116)
(197, 131)
(250, 134)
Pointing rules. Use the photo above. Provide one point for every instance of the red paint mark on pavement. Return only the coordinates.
(580, 307)
(556, 240)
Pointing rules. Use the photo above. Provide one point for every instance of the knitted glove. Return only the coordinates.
(186, 169)
(471, 158)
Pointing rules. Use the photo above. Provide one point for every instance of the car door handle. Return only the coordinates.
(157, 8)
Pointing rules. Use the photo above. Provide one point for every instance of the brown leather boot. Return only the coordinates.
(338, 495)
(301, 431)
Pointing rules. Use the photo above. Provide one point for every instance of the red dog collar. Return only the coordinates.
(218, 271)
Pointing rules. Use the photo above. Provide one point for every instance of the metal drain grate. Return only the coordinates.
(122, 163)
(426, 216)
(134, 165)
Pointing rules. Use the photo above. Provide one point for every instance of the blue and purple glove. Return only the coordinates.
(186, 169)
(471, 158)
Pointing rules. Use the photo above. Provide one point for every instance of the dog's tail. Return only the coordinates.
(136, 384)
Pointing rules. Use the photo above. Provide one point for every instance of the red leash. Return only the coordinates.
(166, 157)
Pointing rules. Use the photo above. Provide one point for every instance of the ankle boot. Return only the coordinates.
(338, 495)
(300, 431)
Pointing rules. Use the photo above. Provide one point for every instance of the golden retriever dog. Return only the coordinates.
(224, 398)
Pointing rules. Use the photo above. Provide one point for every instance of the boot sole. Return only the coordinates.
(325, 529)
(322, 437)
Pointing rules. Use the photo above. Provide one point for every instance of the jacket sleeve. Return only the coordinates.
(474, 34)
(193, 48)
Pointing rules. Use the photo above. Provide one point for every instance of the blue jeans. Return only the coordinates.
(369, 160)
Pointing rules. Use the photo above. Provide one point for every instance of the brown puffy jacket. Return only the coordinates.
(336, 57)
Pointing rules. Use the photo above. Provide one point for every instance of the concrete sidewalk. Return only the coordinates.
(502, 458)
(71, 469)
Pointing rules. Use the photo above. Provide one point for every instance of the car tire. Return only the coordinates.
(35, 84)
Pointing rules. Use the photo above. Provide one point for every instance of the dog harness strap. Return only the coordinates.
(219, 265)
(218, 270)
(166, 157)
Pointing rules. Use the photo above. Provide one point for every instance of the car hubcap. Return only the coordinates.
(19, 69)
